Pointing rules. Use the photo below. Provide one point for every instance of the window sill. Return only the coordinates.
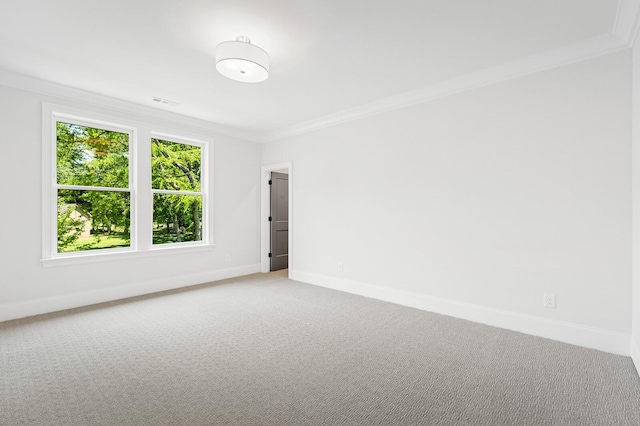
(93, 257)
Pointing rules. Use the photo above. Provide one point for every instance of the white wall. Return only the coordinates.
(635, 342)
(481, 201)
(27, 288)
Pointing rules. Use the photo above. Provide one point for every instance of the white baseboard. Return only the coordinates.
(635, 354)
(9, 311)
(590, 337)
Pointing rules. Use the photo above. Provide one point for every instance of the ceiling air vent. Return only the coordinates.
(165, 101)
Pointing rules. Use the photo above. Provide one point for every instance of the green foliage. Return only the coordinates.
(177, 166)
(69, 229)
(87, 156)
(91, 157)
(181, 216)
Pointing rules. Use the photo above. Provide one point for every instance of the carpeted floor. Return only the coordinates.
(263, 350)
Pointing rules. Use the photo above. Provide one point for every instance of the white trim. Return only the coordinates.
(627, 21)
(565, 55)
(169, 137)
(9, 311)
(80, 119)
(635, 354)
(109, 255)
(576, 334)
(52, 114)
(48, 180)
(265, 197)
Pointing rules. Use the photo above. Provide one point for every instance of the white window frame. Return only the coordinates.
(141, 193)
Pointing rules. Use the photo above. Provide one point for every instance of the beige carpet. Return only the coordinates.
(262, 350)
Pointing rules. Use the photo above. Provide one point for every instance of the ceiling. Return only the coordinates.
(327, 56)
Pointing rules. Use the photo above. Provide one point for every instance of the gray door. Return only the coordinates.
(279, 221)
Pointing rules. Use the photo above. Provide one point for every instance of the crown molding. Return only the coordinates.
(565, 55)
(47, 88)
(627, 21)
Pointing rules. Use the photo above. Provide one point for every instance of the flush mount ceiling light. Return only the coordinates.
(242, 61)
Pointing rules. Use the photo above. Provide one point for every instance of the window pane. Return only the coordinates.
(89, 220)
(176, 218)
(175, 166)
(91, 157)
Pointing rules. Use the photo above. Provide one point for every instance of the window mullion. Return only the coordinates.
(92, 188)
(171, 191)
(142, 185)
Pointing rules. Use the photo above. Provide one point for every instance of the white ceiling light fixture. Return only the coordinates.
(242, 61)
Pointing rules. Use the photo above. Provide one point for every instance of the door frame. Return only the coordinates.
(265, 238)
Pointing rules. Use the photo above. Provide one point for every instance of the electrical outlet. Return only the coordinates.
(340, 267)
(227, 258)
(549, 300)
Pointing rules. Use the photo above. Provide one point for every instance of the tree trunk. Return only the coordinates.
(196, 222)
(176, 228)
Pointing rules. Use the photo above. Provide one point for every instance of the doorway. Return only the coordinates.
(279, 221)
(281, 176)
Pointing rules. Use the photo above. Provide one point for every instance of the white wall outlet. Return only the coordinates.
(340, 267)
(227, 258)
(549, 300)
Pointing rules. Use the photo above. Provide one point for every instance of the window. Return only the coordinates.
(93, 195)
(176, 170)
(113, 186)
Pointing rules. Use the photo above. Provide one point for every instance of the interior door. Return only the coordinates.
(279, 220)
